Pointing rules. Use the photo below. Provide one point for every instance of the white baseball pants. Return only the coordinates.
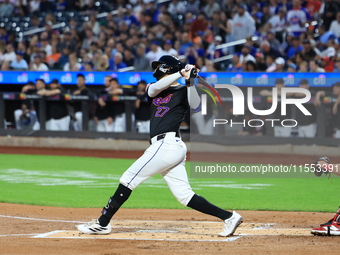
(166, 157)
(104, 126)
(33, 116)
(62, 124)
(144, 126)
(337, 134)
(307, 131)
(282, 131)
(120, 122)
(78, 123)
(203, 127)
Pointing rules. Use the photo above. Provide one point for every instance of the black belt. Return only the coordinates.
(162, 136)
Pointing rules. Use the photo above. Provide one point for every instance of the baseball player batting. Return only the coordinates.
(332, 227)
(167, 153)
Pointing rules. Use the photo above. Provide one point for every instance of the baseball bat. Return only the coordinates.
(206, 84)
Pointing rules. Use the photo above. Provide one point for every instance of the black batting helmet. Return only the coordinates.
(166, 65)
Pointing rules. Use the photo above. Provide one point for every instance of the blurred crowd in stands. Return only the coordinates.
(221, 35)
(94, 35)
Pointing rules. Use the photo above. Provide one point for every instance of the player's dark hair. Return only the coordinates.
(114, 79)
(55, 81)
(40, 80)
(304, 81)
(142, 81)
(279, 81)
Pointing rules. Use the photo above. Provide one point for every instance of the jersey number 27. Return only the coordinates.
(161, 110)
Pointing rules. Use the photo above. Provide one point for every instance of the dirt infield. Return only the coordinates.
(49, 230)
(20, 229)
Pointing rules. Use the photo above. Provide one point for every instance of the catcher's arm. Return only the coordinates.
(323, 166)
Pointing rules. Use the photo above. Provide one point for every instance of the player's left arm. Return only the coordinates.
(45, 92)
(194, 99)
(190, 72)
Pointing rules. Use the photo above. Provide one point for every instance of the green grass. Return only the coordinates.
(89, 182)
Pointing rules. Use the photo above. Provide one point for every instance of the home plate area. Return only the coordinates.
(179, 231)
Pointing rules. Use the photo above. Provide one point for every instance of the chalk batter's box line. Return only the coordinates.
(262, 226)
(48, 235)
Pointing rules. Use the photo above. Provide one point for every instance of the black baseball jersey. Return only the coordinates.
(336, 117)
(118, 107)
(57, 109)
(305, 120)
(280, 117)
(143, 111)
(168, 110)
(103, 112)
(31, 104)
(84, 92)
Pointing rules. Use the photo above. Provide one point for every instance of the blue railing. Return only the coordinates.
(258, 79)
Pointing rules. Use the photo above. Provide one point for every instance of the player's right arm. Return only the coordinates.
(188, 72)
(45, 92)
(318, 95)
(335, 106)
(265, 92)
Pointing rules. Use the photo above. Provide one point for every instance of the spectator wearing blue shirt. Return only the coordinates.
(236, 65)
(287, 6)
(129, 18)
(3, 35)
(324, 36)
(19, 63)
(185, 43)
(6, 8)
(212, 52)
(117, 62)
(152, 10)
(64, 56)
(296, 47)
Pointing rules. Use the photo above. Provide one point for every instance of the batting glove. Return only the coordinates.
(190, 71)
